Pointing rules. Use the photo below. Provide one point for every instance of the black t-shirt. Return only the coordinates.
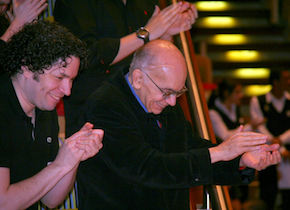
(24, 149)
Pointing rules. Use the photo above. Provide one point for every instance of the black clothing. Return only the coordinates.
(24, 149)
(101, 24)
(229, 123)
(268, 178)
(2, 45)
(240, 192)
(4, 24)
(285, 198)
(142, 166)
(273, 116)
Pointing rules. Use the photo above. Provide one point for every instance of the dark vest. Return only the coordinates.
(277, 123)
(228, 122)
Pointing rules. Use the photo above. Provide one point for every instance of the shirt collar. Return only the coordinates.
(134, 93)
(230, 113)
(270, 97)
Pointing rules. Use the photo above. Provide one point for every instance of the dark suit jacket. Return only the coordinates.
(142, 166)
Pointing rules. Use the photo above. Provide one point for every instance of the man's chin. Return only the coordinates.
(157, 112)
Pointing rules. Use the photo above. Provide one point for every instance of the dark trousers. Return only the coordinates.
(269, 186)
(285, 199)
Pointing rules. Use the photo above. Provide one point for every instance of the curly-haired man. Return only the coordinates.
(40, 62)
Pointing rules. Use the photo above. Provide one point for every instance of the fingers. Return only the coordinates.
(38, 6)
(249, 144)
(271, 147)
(249, 133)
(15, 3)
(83, 145)
(191, 11)
(171, 12)
(270, 159)
(99, 132)
(160, 21)
(87, 126)
(194, 10)
(249, 138)
(42, 5)
(156, 11)
(242, 142)
(90, 145)
(241, 128)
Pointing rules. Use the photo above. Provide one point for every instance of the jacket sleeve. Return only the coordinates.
(82, 19)
(128, 154)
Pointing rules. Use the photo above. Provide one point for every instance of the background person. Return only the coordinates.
(275, 107)
(224, 111)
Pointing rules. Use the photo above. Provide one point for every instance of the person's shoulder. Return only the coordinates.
(106, 97)
(5, 86)
(7, 94)
(287, 95)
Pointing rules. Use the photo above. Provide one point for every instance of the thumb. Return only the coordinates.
(15, 3)
(87, 126)
(156, 11)
(241, 128)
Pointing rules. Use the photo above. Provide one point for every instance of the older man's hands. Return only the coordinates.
(237, 144)
(262, 158)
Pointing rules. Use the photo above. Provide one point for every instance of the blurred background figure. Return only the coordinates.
(224, 110)
(275, 106)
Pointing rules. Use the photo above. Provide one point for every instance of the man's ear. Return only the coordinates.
(137, 78)
(26, 72)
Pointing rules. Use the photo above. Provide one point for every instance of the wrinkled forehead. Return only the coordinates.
(168, 71)
(162, 69)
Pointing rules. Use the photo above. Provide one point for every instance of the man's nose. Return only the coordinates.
(171, 100)
(66, 87)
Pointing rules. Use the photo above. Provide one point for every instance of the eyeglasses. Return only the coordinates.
(170, 93)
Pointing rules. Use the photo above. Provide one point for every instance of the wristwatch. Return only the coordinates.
(143, 33)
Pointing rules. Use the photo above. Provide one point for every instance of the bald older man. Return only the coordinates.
(151, 156)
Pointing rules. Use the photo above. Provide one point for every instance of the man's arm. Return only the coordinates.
(87, 148)
(23, 194)
(83, 20)
(163, 24)
(54, 181)
(24, 12)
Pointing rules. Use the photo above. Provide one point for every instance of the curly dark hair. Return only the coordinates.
(39, 45)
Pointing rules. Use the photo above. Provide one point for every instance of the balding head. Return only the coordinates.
(158, 53)
(157, 68)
